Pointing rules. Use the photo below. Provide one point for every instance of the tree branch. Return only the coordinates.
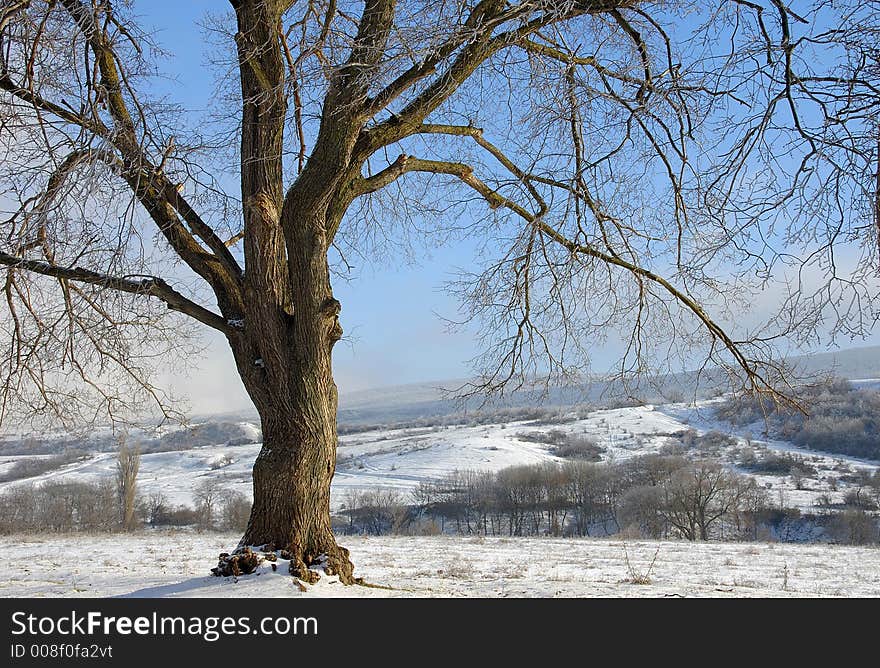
(531, 46)
(465, 173)
(151, 286)
(42, 104)
(151, 185)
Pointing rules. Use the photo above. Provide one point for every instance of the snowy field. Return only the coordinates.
(176, 564)
(399, 459)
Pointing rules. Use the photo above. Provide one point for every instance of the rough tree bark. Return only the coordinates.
(291, 322)
(297, 401)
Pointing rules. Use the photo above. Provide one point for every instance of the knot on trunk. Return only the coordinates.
(335, 332)
(331, 307)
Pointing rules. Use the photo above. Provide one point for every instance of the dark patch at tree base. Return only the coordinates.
(240, 562)
(245, 561)
(334, 561)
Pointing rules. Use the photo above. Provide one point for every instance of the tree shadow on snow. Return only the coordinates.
(174, 589)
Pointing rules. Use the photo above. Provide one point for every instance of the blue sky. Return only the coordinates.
(393, 334)
(392, 313)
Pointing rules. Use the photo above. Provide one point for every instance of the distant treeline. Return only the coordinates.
(30, 467)
(69, 507)
(208, 433)
(655, 496)
(532, 415)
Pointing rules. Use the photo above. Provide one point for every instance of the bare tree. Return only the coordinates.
(128, 463)
(208, 494)
(640, 509)
(702, 496)
(235, 509)
(157, 508)
(650, 167)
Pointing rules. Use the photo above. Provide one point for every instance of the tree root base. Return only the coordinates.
(243, 561)
(304, 567)
(333, 562)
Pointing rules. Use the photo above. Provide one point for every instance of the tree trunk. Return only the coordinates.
(286, 363)
(292, 477)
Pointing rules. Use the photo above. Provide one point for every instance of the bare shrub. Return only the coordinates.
(35, 466)
(579, 447)
(639, 576)
(235, 508)
(781, 463)
(708, 444)
(59, 506)
(566, 444)
(221, 462)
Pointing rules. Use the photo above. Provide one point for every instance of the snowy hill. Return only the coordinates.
(436, 398)
(400, 459)
(386, 405)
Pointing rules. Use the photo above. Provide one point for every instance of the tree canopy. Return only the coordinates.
(634, 169)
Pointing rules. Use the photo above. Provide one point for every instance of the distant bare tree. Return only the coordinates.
(235, 508)
(19, 509)
(874, 485)
(855, 527)
(208, 494)
(128, 463)
(157, 507)
(640, 509)
(703, 495)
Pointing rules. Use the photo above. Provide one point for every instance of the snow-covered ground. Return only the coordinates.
(400, 459)
(176, 564)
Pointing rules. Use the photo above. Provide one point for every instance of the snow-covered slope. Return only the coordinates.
(400, 459)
